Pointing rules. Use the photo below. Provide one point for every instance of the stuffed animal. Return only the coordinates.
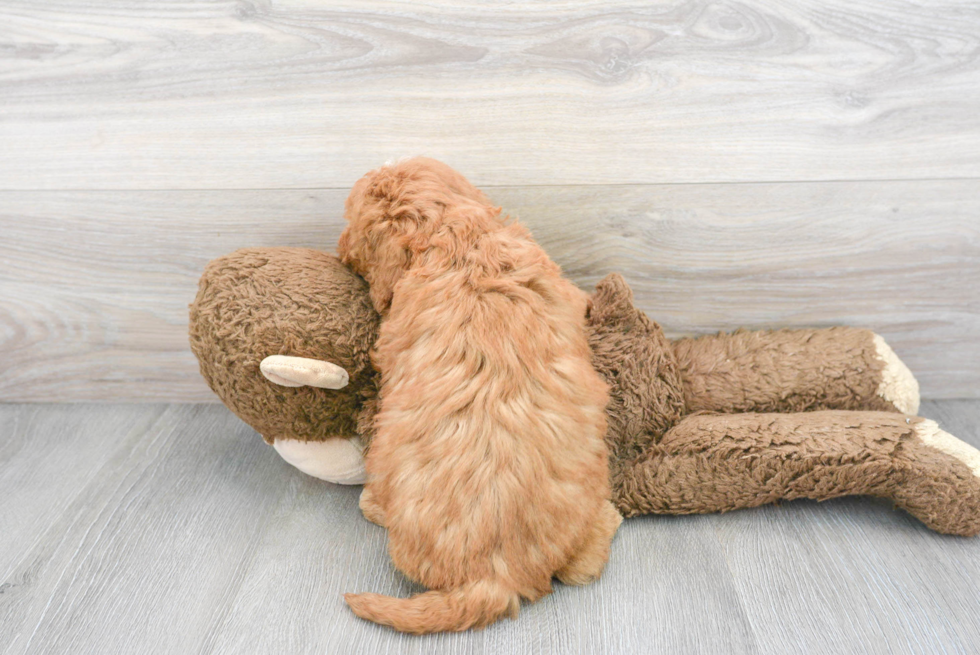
(708, 424)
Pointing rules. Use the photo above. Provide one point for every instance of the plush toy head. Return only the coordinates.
(295, 302)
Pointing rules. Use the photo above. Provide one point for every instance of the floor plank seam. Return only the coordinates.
(553, 185)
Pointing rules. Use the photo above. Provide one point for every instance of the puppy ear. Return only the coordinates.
(376, 247)
(392, 244)
(384, 278)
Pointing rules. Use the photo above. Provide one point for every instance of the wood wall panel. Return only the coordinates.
(94, 285)
(137, 94)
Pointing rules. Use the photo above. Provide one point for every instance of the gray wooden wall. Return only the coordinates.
(757, 163)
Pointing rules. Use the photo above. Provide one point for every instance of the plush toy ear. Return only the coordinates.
(303, 372)
(612, 301)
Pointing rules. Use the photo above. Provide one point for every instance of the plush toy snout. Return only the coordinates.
(336, 460)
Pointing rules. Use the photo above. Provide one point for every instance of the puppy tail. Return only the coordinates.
(474, 605)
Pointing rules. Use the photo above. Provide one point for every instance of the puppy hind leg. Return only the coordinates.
(586, 565)
(370, 508)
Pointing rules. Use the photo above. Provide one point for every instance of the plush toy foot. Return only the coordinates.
(335, 460)
(715, 463)
(898, 386)
(942, 481)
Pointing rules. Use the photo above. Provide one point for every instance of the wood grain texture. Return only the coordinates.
(182, 532)
(148, 552)
(96, 284)
(48, 453)
(140, 94)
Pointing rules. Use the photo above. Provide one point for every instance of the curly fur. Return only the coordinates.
(488, 465)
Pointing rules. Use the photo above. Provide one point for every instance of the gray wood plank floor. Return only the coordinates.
(175, 529)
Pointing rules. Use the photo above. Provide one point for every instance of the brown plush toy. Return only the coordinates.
(283, 336)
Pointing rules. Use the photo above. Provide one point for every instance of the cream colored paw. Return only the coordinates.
(930, 434)
(898, 385)
(335, 460)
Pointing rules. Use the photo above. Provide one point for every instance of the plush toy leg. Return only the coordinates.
(793, 371)
(715, 463)
(336, 459)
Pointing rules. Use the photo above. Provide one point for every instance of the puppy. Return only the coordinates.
(488, 466)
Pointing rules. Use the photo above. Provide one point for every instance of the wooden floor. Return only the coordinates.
(175, 529)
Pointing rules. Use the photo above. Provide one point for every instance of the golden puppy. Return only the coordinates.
(488, 466)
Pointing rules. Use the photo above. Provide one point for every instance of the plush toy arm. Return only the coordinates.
(715, 463)
(794, 370)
